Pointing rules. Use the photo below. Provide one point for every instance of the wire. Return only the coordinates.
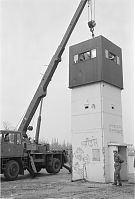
(94, 10)
(91, 9)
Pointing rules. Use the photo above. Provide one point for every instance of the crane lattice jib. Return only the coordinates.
(42, 88)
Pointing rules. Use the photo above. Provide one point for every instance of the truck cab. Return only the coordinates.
(13, 155)
(11, 144)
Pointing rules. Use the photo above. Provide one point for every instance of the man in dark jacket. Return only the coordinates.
(117, 166)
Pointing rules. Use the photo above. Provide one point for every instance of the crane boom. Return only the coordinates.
(42, 88)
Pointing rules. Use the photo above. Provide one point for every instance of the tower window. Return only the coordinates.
(85, 56)
(118, 60)
(106, 54)
(93, 53)
(111, 56)
(81, 57)
(76, 58)
(86, 106)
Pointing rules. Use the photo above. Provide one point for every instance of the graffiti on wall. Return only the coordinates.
(115, 128)
(89, 142)
(80, 170)
(81, 159)
(83, 156)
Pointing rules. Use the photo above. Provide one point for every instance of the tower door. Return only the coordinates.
(111, 162)
(123, 154)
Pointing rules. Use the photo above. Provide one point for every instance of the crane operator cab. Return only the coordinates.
(11, 143)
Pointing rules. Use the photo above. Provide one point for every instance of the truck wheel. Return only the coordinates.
(48, 169)
(56, 165)
(12, 170)
(38, 169)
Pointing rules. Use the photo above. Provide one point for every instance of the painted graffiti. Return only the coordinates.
(79, 153)
(80, 169)
(115, 128)
(81, 156)
(90, 142)
(81, 159)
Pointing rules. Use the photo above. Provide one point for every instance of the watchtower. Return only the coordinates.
(96, 80)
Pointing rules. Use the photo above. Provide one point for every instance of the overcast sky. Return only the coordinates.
(31, 30)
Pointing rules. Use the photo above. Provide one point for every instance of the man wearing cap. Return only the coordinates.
(117, 166)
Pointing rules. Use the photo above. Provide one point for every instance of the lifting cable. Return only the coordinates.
(91, 12)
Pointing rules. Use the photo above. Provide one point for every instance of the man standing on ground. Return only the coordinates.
(117, 166)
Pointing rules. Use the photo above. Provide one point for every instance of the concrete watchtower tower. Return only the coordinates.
(96, 80)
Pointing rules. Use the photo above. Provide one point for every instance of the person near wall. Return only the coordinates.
(117, 165)
(6, 138)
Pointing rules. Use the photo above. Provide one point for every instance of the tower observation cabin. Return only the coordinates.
(93, 61)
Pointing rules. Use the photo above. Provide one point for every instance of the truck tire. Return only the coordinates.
(49, 169)
(54, 167)
(38, 169)
(12, 170)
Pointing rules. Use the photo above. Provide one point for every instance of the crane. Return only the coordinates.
(42, 88)
(20, 154)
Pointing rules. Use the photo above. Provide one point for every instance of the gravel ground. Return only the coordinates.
(46, 186)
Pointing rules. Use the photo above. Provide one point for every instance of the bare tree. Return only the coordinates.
(7, 126)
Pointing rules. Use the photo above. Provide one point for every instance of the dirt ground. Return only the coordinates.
(46, 186)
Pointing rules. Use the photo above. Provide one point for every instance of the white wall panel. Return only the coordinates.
(111, 91)
(113, 131)
(87, 91)
(112, 106)
(86, 122)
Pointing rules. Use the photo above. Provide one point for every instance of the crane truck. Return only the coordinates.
(18, 153)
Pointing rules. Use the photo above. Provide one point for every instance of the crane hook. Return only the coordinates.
(91, 25)
(91, 10)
